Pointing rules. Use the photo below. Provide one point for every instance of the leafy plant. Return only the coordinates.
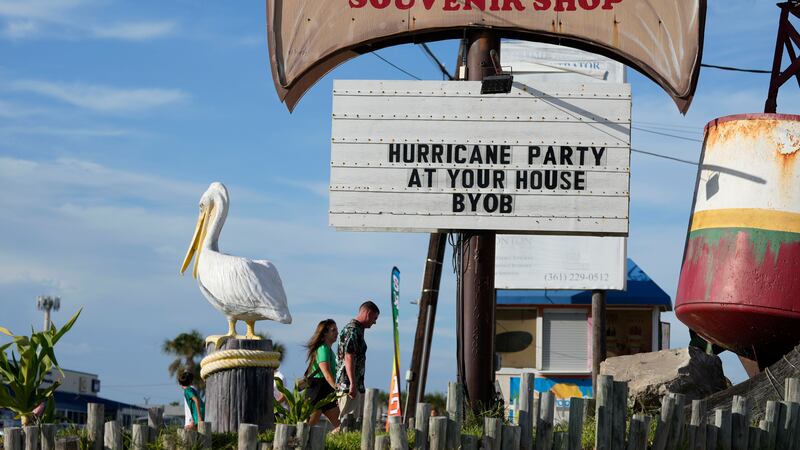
(298, 407)
(21, 378)
(343, 441)
(84, 443)
(224, 441)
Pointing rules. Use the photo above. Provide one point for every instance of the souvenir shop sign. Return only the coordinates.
(437, 156)
(661, 39)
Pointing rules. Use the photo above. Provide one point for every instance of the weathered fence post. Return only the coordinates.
(712, 434)
(187, 439)
(697, 426)
(155, 422)
(492, 431)
(204, 432)
(248, 437)
(316, 437)
(771, 417)
(94, 424)
(48, 436)
(510, 437)
(788, 435)
(301, 433)
(604, 414)
(455, 411)
(469, 442)
(31, 437)
(282, 434)
(421, 418)
(740, 422)
(112, 438)
(398, 440)
(640, 428)
(368, 422)
(12, 438)
(619, 410)
(524, 412)
(382, 442)
(575, 428)
(437, 432)
(677, 422)
(722, 420)
(138, 436)
(792, 390)
(544, 426)
(664, 421)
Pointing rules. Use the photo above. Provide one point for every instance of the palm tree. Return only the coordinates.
(188, 348)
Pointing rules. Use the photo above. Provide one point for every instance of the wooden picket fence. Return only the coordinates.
(720, 429)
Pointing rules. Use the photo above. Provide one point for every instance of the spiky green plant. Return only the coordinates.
(298, 407)
(22, 374)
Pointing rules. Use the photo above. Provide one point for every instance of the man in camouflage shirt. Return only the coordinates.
(351, 355)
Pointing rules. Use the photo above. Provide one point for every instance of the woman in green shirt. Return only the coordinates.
(321, 370)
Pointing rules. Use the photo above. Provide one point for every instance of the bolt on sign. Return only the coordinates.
(662, 39)
(437, 156)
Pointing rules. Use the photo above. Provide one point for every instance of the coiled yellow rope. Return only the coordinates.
(230, 359)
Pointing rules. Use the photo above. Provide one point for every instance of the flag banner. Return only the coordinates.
(394, 390)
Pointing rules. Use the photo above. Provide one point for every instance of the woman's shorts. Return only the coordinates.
(317, 391)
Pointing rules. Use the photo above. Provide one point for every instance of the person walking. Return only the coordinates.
(321, 372)
(351, 357)
(194, 407)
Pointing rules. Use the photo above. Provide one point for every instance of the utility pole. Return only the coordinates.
(598, 334)
(46, 303)
(477, 306)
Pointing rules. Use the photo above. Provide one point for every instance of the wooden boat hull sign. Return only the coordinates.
(663, 39)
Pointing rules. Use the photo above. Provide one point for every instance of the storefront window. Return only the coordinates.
(628, 332)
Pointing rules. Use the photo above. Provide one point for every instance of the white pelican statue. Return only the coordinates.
(240, 288)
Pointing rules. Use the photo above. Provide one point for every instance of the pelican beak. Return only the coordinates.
(197, 240)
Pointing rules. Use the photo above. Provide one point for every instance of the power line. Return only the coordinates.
(395, 66)
(671, 158)
(667, 134)
(735, 69)
(436, 61)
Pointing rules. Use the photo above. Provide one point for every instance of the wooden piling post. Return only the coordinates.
(712, 434)
(398, 440)
(316, 437)
(12, 438)
(48, 436)
(455, 411)
(640, 428)
(740, 423)
(664, 421)
(677, 422)
(697, 426)
(771, 417)
(421, 425)
(604, 413)
(248, 437)
(544, 426)
(791, 390)
(155, 422)
(492, 433)
(282, 434)
(437, 433)
(138, 436)
(722, 420)
(382, 442)
(575, 427)
(790, 421)
(187, 439)
(94, 424)
(619, 409)
(525, 411)
(510, 437)
(204, 435)
(469, 442)
(302, 432)
(31, 437)
(368, 422)
(112, 437)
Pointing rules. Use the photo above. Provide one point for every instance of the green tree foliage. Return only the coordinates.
(22, 374)
(298, 407)
(188, 349)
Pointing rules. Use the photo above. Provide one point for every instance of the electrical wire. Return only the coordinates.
(671, 158)
(436, 61)
(667, 134)
(734, 69)
(395, 66)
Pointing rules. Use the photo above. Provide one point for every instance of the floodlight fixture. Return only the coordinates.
(499, 83)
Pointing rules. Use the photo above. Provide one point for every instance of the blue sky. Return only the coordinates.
(115, 117)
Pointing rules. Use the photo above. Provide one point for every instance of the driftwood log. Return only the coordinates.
(242, 394)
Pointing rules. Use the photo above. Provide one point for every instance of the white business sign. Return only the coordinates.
(438, 156)
(560, 262)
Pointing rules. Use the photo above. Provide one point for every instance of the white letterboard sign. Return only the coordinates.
(439, 156)
(560, 262)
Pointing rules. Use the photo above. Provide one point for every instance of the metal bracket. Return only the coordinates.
(788, 37)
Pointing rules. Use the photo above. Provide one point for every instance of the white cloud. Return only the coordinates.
(103, 98)
(21, 29)
(136, 31)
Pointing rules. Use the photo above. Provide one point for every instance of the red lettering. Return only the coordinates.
(451, 5)
(570, 5)
(380, 4)
(609, 4)
(428, 3)
(517, 5)
(541, 5)
(495, 5)
(589, 4)
(357, 3)
(401, 5)
(480, 4)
